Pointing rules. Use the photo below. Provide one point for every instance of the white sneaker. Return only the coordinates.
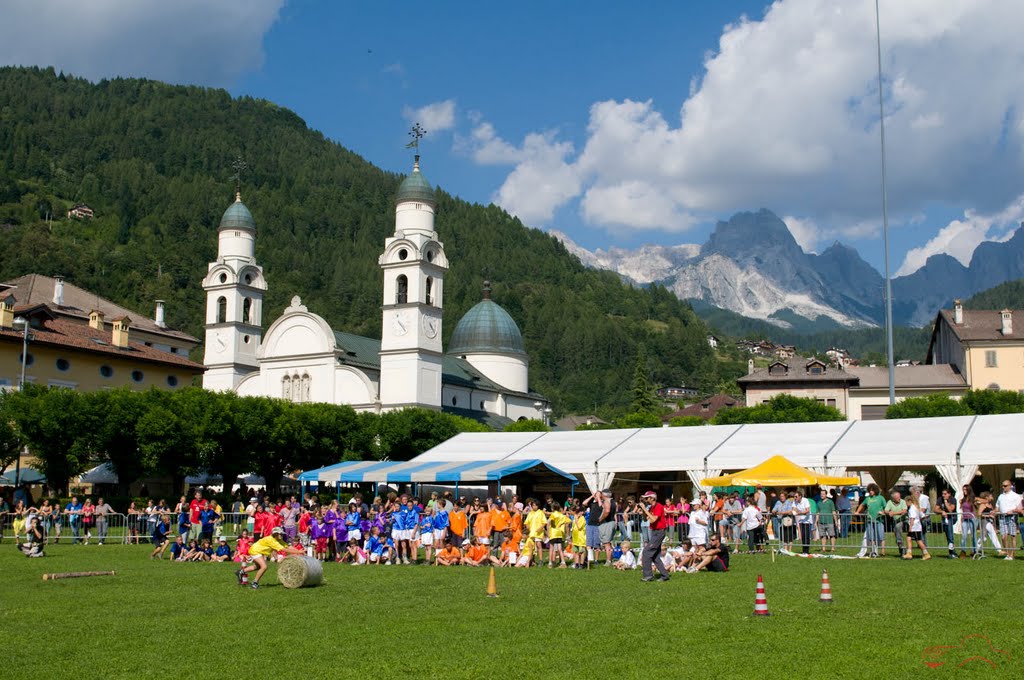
(1008, 558)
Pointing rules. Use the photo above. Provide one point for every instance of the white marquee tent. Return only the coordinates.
(956, 446)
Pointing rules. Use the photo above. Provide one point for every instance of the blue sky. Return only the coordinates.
(619, 124)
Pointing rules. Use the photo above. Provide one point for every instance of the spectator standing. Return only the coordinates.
(732, 511)
(194, 508)
(968, 521)
(845, 511)
(1006, 505)
(651, 553)
(700, 521)
(827, 521)
(896, 509)
(599, 508)
(873, 506)
(102, 512)
(57, 520)
(804, 521)
(924, 502)
(752, 522)
(916, 529)
(947, 509)
(88, 518)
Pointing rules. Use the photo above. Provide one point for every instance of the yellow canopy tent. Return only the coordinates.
(778, 471)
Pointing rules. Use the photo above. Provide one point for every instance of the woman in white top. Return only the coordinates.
(699, 524)
(914, 515)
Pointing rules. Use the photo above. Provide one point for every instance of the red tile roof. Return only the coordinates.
(706, 408)
(60, 332)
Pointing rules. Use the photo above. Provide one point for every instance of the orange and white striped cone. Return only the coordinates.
(760, 600)
(826, 588)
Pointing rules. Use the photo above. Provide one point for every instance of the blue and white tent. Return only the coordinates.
(429, 472)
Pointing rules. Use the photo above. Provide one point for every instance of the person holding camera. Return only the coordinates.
(654, 512)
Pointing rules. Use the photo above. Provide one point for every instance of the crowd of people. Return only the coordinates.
(577, 533)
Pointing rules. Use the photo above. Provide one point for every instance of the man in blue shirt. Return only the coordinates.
(74, 512)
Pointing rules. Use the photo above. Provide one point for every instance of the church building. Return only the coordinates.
(483, 375)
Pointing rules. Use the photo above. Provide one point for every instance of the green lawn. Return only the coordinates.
(160, 619)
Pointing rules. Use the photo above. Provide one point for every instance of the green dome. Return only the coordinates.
(415, 187)
(237, 216)
(487, 328)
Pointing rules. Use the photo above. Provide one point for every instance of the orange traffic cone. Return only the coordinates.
(826, 588)
(760, 601)
(492, 587)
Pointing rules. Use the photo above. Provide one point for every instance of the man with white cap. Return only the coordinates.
(655, 513)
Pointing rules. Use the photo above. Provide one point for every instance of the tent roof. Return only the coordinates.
(430, 471)
(913, 442)
(28, 476)
(778, 471)
(803, 443)
(994, 440)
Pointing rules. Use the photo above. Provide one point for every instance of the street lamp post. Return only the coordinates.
(22, 324)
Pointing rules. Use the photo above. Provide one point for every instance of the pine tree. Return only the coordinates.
(643, 391)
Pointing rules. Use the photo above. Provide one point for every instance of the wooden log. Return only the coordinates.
(76, 574)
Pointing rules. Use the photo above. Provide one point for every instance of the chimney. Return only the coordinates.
(96, 319)
(58, 291)
(958, 312)
(750, 366)
(119, 336)
(7, 312)
(1007, 317)
(160, 314)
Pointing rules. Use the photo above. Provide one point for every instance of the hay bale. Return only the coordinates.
(300, 571)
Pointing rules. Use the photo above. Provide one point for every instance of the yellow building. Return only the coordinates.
(87, 350)
(982, 345)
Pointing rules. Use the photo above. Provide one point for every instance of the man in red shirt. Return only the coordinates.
(193, 515)
(655, 513)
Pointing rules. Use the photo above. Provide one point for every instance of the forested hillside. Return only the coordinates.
(154, 162)
(1009, 295)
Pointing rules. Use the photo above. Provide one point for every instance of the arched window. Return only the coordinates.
(401, 289)
(430, 287)
(222, 309)
(247, 310)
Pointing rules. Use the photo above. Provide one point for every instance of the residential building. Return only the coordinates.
(860, 393)
(81, 211)
(570, 423)
(93, 356)
(706, 408)
(676, 393)
(712, 341)
(981, 344)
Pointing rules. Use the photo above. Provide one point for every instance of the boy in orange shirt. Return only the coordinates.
(477, 555)
(457, 523)
(482, 528)
(449, 557)
(500, 521)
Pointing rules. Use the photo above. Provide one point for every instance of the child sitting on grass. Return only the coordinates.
(223, 553)
(354, 554)
(179, 549)
(477, 554)
(450, 556)
(628, 559)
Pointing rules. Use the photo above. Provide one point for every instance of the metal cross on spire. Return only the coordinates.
(240, 166)
(417, 133)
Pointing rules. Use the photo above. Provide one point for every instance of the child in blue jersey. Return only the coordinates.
(159, 537)
(207, 517)
(407, 523)
(223, 553)
(441, 524)
(184, 524)
(205, 552)
(179, 549)
(375, 547)
(427, 533)
(353, 521)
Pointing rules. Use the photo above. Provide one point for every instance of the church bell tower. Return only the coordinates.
(234, 286)
(414, 266)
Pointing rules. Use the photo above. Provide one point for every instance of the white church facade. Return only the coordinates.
(483, 375)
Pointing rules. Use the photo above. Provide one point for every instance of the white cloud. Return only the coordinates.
(435, 117)
(785, 116)
(193, 41)
(806, 232)
(959, 238)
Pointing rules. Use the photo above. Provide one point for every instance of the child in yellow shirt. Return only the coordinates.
(557, 523)
(579, 539)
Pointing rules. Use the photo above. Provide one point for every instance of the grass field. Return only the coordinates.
(160, 619)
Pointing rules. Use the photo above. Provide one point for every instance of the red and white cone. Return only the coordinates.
(760, 601)
(826, 588)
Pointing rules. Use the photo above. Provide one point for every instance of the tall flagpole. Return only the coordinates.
(885, 219)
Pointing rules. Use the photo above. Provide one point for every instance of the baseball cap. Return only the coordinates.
(650, 494)
(223, 539)
(253, 499)
(607, 492)
(277, 530)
